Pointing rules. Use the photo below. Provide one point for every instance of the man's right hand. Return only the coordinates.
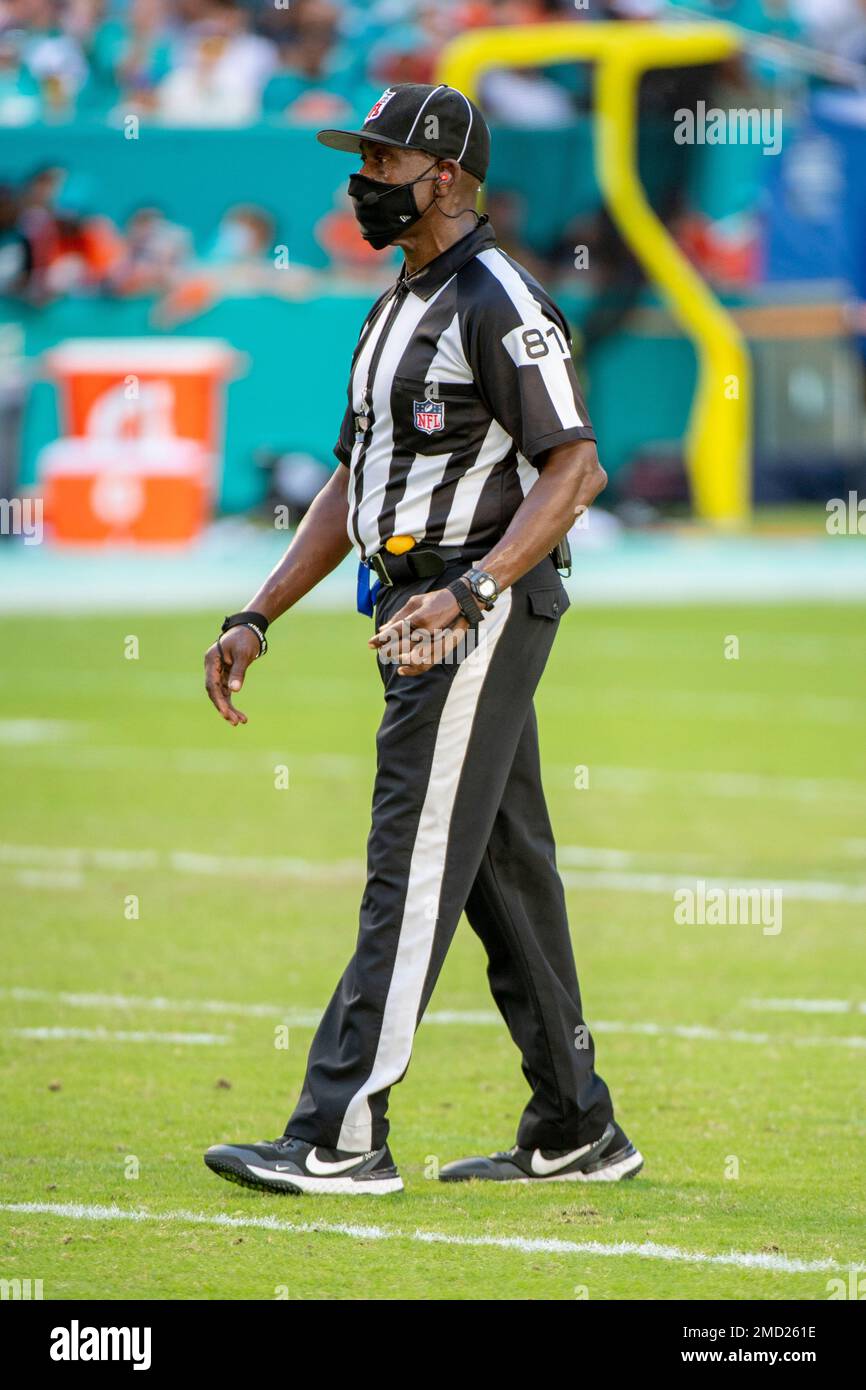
(224, 672)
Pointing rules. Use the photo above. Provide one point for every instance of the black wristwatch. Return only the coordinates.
(466, 602)
(483, 586)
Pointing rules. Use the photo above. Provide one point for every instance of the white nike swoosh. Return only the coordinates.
(543, 1167)
(322, 1169)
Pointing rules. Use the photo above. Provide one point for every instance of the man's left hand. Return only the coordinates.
(423, 632)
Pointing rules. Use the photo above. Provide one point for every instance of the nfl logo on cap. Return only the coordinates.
(429, 416)
(378, 107)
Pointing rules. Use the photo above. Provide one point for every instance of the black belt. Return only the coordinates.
(422, 562)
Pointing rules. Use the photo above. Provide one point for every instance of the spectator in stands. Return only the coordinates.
(487, 13)
(243, 260)
(37, 219)
(244, 239)
(89, 247)
(155, 253)
(52, 56)
(836, 26)
(317, 78)
(16, 253)
(130, 56)
(525, 97)
(221, 70)
(20, 99)
(72, 248)
(349, 254)
(408, 52)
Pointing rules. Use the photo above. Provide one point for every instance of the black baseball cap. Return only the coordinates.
(401, 117)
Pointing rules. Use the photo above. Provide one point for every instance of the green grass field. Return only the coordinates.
(119, 781)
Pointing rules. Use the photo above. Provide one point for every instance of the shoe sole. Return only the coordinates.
(627, 1167)
(618, 1172)
(293, 1185)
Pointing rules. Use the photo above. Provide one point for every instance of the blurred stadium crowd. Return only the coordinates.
(236, 63)
(52, 244)
(230, 62)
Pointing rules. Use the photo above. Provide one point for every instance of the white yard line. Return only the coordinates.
(44, 863)
(41, 865)
(698, 1032)
(55, 880)
(62, 857)
(739, 706)
(806, 1006)
(26, 732)
(624, 642)
(117, 758)
(239, 865)
(797, 890)
(746, 785)
(595, 856)
(104, 1035)
(627, 780)
(156, 1003)
(309, 1018)
(526, 1245)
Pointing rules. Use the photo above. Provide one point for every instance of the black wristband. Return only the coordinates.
(466, 602)
(241, 619)
(256, 622)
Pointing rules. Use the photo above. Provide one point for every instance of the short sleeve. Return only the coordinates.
(518, 347)
(343, 446)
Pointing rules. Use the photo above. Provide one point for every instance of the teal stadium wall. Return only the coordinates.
(286, 401)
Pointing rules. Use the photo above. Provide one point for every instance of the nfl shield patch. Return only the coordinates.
(378, 107)
(429, 416)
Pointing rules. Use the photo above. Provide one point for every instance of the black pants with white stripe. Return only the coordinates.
(460, 822)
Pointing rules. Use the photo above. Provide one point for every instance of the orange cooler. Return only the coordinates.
(142, 423)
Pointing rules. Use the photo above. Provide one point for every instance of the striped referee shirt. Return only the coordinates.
(461, 380)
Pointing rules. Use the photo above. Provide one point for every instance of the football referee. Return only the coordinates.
(465, 455)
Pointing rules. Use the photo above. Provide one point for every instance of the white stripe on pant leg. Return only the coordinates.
(426, 870)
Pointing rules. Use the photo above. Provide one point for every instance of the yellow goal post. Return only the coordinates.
(718, 444)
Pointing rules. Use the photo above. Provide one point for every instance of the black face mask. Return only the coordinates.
(384, 210)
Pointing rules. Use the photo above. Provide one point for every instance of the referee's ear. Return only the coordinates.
(448, 178)
(464, 187)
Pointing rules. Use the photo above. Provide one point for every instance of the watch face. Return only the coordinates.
(487, 587)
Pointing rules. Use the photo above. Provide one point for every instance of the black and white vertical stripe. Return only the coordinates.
(479, 339)
(424, 885)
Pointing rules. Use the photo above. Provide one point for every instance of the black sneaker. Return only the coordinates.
(293, 1165)
(607, 1159)
(620, 1160)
